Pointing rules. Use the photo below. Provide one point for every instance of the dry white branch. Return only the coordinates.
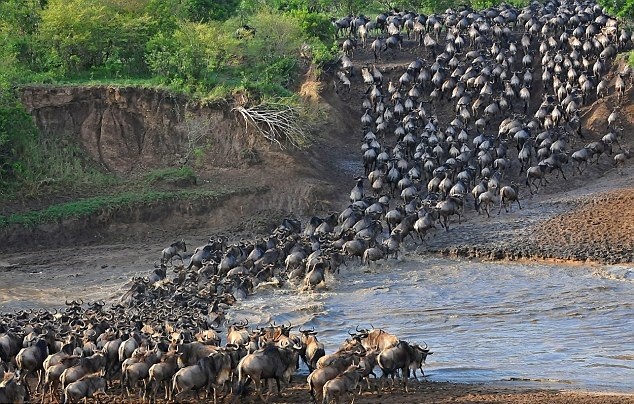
(279, 123)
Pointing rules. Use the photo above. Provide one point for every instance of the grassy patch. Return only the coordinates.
(98, 204)
(169, 175)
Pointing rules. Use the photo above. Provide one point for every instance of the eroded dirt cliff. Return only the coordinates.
(127, 128)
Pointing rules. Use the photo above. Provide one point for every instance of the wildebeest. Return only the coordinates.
(54, 372)
(508, 194)
(192, 378)
(342, 385)
(31, 360)
(401, 356)
(376, 338)
(319, 377)
(201, 256)
(12, 390)
(160, 374)
(270, 362)
(138, 371)
(10, 345)
(209, 372)
(313, 349)
(86, 366)
(172, 251)
(190, 353)
(86, 387)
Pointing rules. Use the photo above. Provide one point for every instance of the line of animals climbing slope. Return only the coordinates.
(165, 330)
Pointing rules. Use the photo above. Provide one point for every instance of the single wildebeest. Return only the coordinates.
(316, 276)
(54, 372)
(192, 378)
(173, 251)
(190, 353)
(342, 385)
(140, 370)
(509, 194)
(160, 374)
(201, 256)
(270, 362)
(12, 390)
(401, 356)
(10, 345)
(209, 372)
(535, 173)
(31, 360)
(86, 387)
(313, 348)
(376, 339)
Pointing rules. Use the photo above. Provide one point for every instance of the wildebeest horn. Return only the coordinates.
(357, 328)
(68, 304)
(300, 329)
(426, 346)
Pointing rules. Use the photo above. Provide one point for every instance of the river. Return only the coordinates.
(549, 325)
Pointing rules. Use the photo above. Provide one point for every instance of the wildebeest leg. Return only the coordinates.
(518, 203)
(562, 173)
(405, 373)
(256, 382)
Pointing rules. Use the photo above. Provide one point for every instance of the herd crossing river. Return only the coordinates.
(350, 276)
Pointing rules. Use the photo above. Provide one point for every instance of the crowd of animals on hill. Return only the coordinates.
(485, 68)
(164, 334)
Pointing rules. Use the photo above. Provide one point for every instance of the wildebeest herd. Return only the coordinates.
(163, 337)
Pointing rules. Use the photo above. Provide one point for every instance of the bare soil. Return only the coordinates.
(418, 392)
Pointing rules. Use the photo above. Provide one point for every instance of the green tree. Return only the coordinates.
(17, 135)
(189, 54)
(621, 8)
(206, 10)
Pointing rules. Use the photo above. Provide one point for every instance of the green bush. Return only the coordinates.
(620, 8)
(17, 139)
(314, 25)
